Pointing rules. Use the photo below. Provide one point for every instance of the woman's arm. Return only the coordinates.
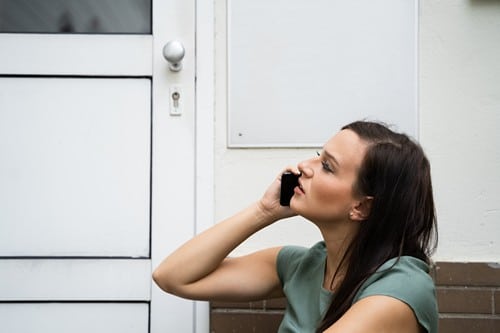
(200, 270)
(375, 314)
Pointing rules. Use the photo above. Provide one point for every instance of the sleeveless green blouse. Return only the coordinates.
(301, 273)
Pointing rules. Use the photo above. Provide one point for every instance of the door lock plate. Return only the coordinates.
(175, 101)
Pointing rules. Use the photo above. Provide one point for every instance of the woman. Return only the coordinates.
(369, 192)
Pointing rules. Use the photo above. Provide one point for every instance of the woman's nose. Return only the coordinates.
(305, 167)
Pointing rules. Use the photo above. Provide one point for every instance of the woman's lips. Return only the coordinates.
(298, 189)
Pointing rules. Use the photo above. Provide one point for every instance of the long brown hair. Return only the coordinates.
(402, 220)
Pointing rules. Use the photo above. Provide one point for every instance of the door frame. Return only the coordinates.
(198, 60)
(204, 124)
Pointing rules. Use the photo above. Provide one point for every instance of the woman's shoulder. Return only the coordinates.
(406, 269)
(405, 276)
(295, 259)
(407, 279)
(291, 253)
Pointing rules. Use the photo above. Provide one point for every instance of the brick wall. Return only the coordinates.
(468, 297)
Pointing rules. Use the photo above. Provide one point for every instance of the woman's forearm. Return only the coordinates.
(202, 255)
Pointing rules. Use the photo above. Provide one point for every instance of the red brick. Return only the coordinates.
(231, 322)
(238, 305)
(467, 274)
(464, 300)
(276, 304)
(469, 325)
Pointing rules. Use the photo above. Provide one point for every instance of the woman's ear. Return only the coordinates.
(362, 209)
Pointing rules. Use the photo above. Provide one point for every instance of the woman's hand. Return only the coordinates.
(270, 201)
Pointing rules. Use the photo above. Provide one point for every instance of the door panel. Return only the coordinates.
(74, 317)
(76, 167)
(319, 65)
(76, 54)
(75, 279)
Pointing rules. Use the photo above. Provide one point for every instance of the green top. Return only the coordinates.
(301, 272)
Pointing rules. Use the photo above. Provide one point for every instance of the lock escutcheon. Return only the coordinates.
(175, 102)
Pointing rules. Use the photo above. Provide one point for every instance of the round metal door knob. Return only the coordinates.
(173, 52)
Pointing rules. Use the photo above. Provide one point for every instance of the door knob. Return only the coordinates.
(173, 52)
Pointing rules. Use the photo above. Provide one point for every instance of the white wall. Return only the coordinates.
(459, 105)
(460, 115)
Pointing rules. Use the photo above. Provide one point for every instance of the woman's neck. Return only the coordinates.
(337, 238)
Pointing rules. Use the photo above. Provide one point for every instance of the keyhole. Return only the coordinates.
(175, 97)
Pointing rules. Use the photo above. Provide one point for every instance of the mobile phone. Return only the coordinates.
(288, 182)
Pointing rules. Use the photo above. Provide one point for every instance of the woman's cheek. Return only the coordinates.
(334, 196)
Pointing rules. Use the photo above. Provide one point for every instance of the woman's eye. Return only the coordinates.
(326, 166)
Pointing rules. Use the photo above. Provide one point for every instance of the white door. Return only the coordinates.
(97, 175)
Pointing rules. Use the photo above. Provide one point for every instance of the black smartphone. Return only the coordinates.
(288, 182)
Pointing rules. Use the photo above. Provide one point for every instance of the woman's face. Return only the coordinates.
(325, 194)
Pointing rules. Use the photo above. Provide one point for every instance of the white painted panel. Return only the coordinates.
(74, 317)
(75, 54)
(75, 279)
(75, 169)
(299, 70)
